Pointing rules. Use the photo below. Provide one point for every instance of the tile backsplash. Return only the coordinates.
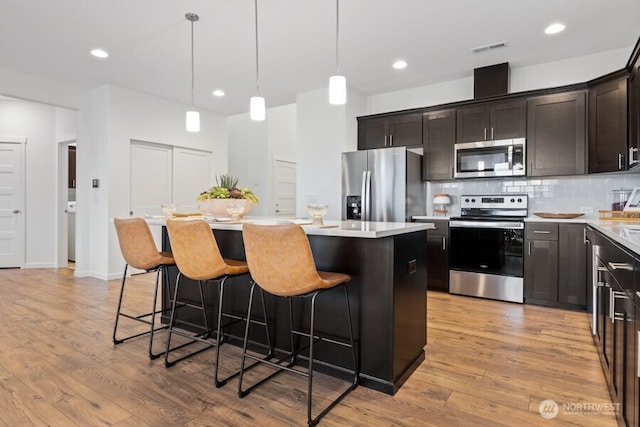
(553, 194)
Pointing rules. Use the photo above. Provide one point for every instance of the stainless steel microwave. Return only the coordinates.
(504, 157)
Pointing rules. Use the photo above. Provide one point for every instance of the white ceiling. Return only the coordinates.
(149, 42)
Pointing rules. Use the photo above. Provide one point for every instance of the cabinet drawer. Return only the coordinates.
(442, 227)
(541, 231)
(620, 264)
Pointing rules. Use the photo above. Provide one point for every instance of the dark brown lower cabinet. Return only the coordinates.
(555, 272)
(617, 275)
(438, 257)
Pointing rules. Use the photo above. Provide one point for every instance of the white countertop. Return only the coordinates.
(626, 234)
(361, 229)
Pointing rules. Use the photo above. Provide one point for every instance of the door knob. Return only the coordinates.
(16, 211)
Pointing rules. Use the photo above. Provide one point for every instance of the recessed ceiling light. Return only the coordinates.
(554, 28)
(218, 93)
(99, 53)
(400, 64)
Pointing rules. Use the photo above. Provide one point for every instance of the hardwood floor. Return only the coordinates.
(488, 363)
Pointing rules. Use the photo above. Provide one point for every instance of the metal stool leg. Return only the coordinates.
(115, 326)
(171, 320)
(153, 315)
(310, 373)
(219, 383)
(242, 393)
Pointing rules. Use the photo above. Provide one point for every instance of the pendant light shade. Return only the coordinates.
(337, 90)
(337, 82)
(193, 121)
(256, 103)
(257, 109)
(193, 117)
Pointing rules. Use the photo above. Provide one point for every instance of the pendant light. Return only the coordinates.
(256, 103)
(193, 117)
(337, 83)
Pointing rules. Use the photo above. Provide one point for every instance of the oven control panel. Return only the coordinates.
(505, 201)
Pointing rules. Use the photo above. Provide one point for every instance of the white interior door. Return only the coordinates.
(12, 233)
(192, 175)
(284, 187)
(151, 178)
(150, 182)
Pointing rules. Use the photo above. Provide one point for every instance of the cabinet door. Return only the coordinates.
(405, 129)
(507, 120)
(634, 115)
(541, 272)
(572, 266)
(471, 124)
(439, 136)
(608, 126)
(372, 133)
(556, 134)
(438, 261)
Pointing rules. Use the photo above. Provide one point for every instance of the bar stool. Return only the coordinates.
(139, 251)
(281, 263)
(198, 258)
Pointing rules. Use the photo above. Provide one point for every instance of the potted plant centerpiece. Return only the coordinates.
(225, 198)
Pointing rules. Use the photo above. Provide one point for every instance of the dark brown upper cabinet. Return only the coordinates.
(634, 107)
(439, 136)
(608, 125)
(490, 121)
(403, 129)
(556, 134)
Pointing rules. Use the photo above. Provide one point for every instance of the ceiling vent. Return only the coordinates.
(489, 47)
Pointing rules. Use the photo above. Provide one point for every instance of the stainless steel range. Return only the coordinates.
(487, 247)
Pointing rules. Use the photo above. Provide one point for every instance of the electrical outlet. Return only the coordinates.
(586, 210)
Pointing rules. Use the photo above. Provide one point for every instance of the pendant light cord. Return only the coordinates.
(337, 34)
(257, 67)
(192, 68)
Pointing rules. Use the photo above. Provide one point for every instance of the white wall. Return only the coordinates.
(36, 122)
(551, 74)
(66, 124)
(324, 132)
(252, 146)
(124, 115)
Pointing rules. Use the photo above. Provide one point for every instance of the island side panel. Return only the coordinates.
(410, 304)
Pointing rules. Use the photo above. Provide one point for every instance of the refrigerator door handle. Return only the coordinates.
(368, 196)
(363, 193)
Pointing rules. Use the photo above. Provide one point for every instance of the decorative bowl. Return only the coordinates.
(219, 208)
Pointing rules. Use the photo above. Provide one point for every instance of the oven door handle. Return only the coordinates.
(487, 224)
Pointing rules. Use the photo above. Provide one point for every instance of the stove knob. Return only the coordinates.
(519, 200)
(466, 200)
(473, 200)
(513, 200)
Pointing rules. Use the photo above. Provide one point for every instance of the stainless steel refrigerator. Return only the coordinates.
(382, 185)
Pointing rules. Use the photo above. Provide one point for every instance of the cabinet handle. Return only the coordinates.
(584, 237)
(492, 133)
(541, 232)
(385, 140)
(390, 140)
(485, 134)
(620, 161)
(620, 266)
(633, 151)
(444, 243)
(611, 304)
(638, 354)
(529, 247)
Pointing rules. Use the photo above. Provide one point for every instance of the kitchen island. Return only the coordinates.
(388, 266)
